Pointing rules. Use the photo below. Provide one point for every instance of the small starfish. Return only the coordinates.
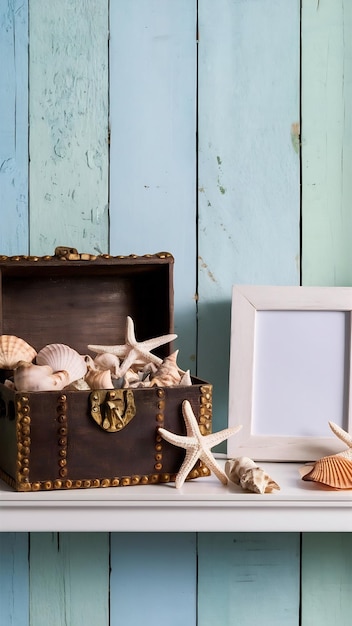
(197, 446)
(133, 351)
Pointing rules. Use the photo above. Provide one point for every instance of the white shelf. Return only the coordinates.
(203, 505)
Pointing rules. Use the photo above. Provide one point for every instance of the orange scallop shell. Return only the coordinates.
(334, 471)
(14, 349)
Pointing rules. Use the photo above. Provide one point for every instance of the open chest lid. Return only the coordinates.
(82, 299)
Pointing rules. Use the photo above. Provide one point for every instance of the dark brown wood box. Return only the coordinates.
(49, 440)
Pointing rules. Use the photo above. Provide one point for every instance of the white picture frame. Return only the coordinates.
(290, 371)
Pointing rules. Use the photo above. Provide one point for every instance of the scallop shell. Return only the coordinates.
(334, 471)
(168, 373)
(31, 377)
(14, 349)
(61, 357)
(98, 379)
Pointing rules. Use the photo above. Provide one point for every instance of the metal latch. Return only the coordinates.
(112, 410)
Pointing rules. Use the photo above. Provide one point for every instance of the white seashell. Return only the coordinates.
(243, 471)
(168, 373)
(61, 357)
(98, 379)
(31, 377)
(186, 380)
(78, 385)
(107, 361)
(14, 349)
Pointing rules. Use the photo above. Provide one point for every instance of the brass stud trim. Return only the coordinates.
(62, 439)
(23, 431)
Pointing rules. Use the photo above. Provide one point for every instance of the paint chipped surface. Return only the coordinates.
(69, 124)
(296, 136)
(204, 266)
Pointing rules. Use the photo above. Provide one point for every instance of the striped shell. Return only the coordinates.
(334, 471)
(61, 357)
(14, 349)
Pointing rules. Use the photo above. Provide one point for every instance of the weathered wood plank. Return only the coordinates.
(248, 578)
(326, 579)
(153, 144)
(14, 127)
(326, 142)
(68, 74)
(69, 579)
(14, 591)
(153, 579)
(249, 196)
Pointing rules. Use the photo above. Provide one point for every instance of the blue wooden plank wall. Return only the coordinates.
(202, 104)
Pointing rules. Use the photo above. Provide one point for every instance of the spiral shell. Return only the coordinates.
(31, 377)
(333, 471)
(14, 349)
(99, 379)
(61, 357)
(168, 373)
(245, 472)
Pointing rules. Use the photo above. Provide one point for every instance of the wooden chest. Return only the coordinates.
(52, 439)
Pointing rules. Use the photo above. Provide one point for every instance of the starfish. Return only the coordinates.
(197, 446)
(133, 351)
(343, 435)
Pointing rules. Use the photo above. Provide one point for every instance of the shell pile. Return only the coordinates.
(58, 366)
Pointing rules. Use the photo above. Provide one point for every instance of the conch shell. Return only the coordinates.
(62, 357)
(168, 373)
(99, 379)
(31, 377)
(334, 471)
(14, 349)
(244, 472)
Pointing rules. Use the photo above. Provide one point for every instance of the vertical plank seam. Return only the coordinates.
(197, 184)
(197, 578)
(300, 148)
(300, 579)
(109, 583)
(109, 142)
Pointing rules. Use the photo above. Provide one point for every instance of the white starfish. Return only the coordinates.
(133, 351)
(345, 437)
(197, 446)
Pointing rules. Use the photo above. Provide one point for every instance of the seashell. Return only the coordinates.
(99, 379)
(333, 471)
(78, 385)
(14, 349)
(32, 377)
(107, 361)
(186, 380)
(168, 373)
(132, 378)
(244, 472)
(61, 357)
